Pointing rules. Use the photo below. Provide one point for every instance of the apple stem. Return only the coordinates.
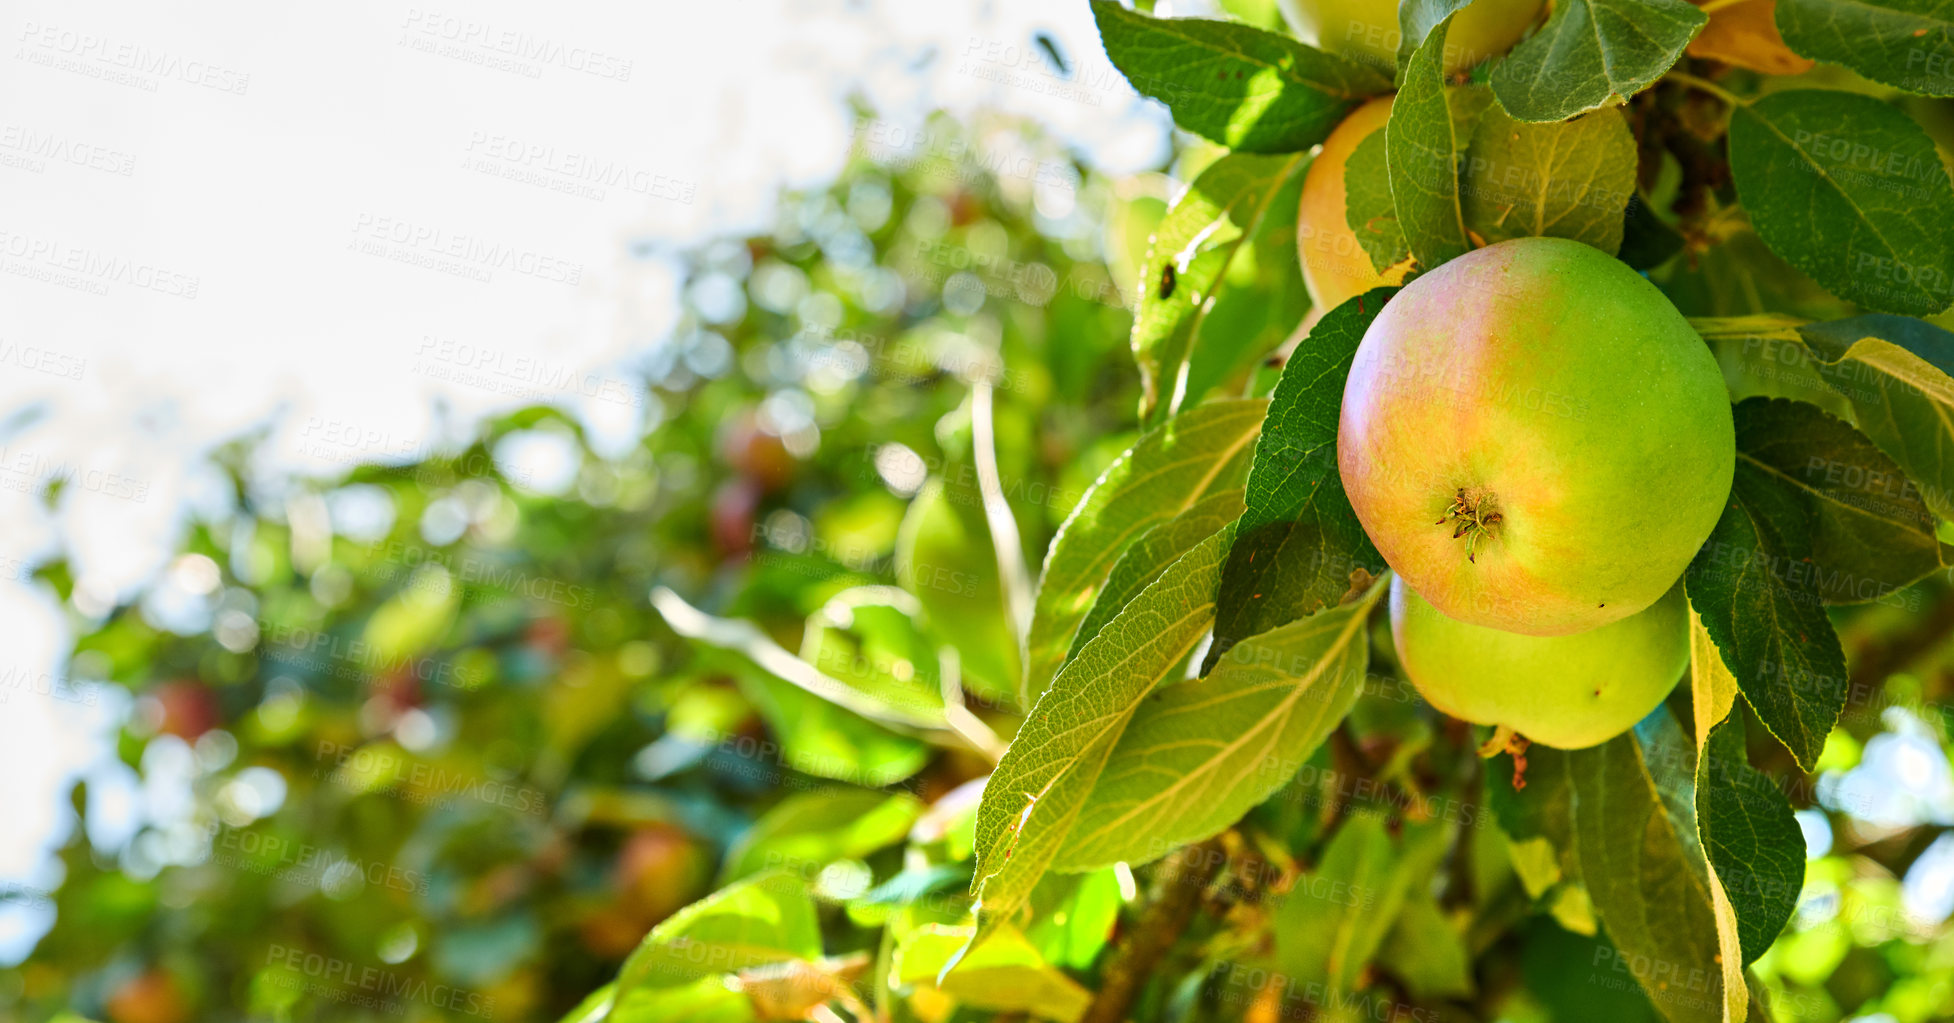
(1506, 740)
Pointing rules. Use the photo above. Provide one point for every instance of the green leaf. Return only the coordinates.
(809, 830)
(1249, 90)
(1203, 451)
(707, 1000)
(1041, 786)
(1299, 546)
(1423, 140)
(1593, 53)
(944, 556)
(1898, 373)
(823, 739)
(1871, 534)
(1762, 607)
(868, 638)
(1198, 754)
(1751, 837)
(1257, 302)
(1192, 250)
(764, 919)
(1571, 179)
(1417, 19)
(1849, 190)
(1074, 931)
(1620, 816)
(594, 1007)
(1004, 974)
(826, 727)
(1713, 693)
(1367, 205)
(1151, 554)
(1333, 920)
(1908, 44)
(1427, 952)
(1647, 240)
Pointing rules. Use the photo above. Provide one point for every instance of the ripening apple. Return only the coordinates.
(153, 996)
(1535, 439)
(1367, 30)
(1565, 691)
(660, 869)
(759, 456)
(1335, 266)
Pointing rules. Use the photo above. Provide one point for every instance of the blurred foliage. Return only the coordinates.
(414, 743)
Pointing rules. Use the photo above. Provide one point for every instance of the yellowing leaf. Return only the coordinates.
(1746, 34)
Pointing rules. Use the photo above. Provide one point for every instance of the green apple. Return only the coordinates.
(1367, 30)
(1335, 266)
(1535, 438)
(1565, 691)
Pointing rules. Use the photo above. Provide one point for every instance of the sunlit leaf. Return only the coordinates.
(1299, 546)
(1250, 90)
(1201, 452)
(1593, 53)
(1197, 755)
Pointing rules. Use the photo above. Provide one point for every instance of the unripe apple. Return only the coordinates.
(1335, 266)
(1565, 691)
(1367, 30)
(1535, 439)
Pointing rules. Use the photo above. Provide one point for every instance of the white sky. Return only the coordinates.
(222, 216)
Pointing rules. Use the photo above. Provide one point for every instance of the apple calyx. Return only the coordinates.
(1475, 511)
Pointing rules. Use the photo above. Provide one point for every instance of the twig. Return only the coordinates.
(746, 638)
(957, 713)
(1705, 85)
(1011, 568)
(1176, 895)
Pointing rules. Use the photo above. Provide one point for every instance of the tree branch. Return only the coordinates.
(1176, 895)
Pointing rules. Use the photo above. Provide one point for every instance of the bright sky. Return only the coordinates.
(224, 216)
